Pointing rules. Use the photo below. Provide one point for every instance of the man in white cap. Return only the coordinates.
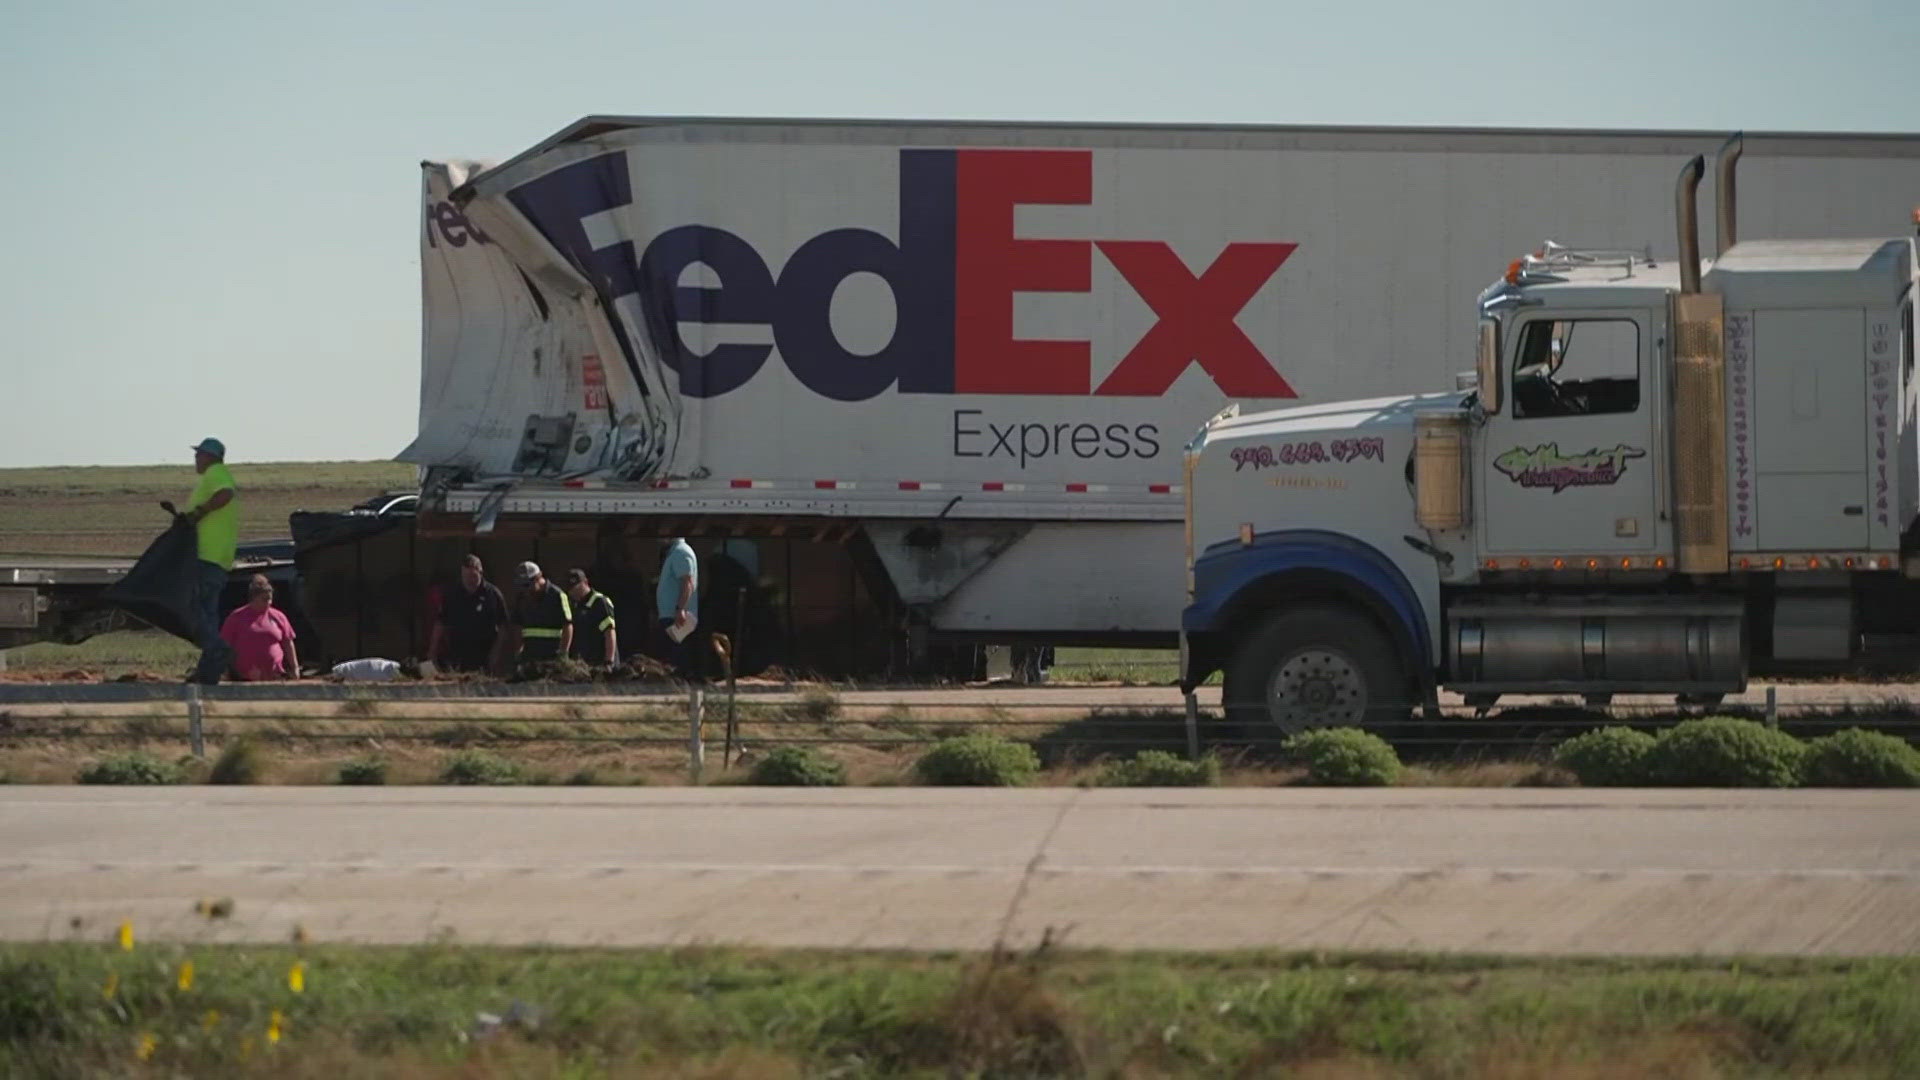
(542, 619)
(216, 524)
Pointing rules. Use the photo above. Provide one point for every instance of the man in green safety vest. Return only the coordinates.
(542, 620)
(596, 643)
(215, 516)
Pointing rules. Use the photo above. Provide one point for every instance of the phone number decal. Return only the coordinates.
(1309, 453)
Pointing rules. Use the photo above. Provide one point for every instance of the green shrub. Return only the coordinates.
(798, 766)
(479, 767)
(1859, 758)
(1722, 751)
(1609, 757)
(31, 1005)
(239, 763)
(135, 767)
(1347, 757)
(1158, 768)
(978, 761)
(819, 705)
(363, 772)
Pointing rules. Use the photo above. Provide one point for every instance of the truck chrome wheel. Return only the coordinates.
(1317, 688)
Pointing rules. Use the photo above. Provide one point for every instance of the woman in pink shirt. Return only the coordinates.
(261, 636)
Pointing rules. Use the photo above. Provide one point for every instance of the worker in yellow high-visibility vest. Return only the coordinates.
(596, 639)
(542, 619)
(215, 515)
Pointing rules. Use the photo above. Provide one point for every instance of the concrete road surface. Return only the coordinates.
(1521, 871)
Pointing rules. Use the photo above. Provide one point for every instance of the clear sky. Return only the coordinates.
(212, 207)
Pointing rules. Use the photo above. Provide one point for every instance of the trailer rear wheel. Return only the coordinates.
(1313, 666)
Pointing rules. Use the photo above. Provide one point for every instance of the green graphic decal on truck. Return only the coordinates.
(1545, 467)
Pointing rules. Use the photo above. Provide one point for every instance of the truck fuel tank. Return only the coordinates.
(1655, 645)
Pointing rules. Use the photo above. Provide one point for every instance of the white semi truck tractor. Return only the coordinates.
(1663, 477)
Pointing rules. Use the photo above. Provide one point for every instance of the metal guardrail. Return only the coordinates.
(1070, 727)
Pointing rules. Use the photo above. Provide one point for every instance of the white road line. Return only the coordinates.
(1009, 869)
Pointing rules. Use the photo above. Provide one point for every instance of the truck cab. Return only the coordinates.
(1664, 476)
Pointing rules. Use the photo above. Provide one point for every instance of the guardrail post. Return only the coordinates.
(1193, 726)
(696, 745)
(1192, 703)
(1773, 707)
(194, 711)
(723, 647)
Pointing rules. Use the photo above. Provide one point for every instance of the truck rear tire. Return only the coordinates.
(1313, 666)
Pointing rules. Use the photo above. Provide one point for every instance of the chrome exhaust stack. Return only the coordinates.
(1699, 445)
(1724, 193)
(1686, 219)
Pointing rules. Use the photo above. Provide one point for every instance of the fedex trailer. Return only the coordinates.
(912, 383)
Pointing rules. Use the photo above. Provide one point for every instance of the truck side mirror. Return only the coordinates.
(1487, 367)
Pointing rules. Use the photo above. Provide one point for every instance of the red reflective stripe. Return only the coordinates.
(1160, 489)
(909, 485)
(826, 485)
(743, 483)
(1076, 487)
(993, 485)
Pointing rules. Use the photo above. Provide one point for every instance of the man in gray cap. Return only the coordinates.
(542, 618)
(216, 523)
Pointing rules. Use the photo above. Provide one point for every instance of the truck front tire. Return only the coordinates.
(1313, 666)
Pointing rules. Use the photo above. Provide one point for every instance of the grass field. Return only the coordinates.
(86, 1009)
(614, 745)
(108, 656)
(129, 652)
(114, 511)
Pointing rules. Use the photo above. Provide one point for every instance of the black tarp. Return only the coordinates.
(159, 589)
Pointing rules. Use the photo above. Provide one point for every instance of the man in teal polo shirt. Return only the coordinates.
(676, 602)
(216, 524)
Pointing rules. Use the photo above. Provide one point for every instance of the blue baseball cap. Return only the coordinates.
(212, 448)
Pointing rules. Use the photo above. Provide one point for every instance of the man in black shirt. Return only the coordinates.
(595, 641)
(471, 616)
(542, 619)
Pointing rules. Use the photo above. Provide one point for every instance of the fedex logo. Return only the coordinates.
(953, 272)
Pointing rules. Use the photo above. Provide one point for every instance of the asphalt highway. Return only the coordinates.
(1567, 871)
